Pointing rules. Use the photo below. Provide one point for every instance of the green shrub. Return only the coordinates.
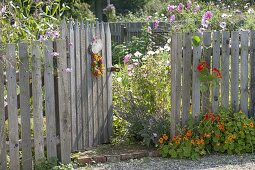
(141, 96)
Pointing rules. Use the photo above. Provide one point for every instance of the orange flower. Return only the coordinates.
(221, 126)
(189, 133)
(165, 137)
(207, 135)
(217, 72)
(200, 141)
(192, 142)
(161, 140)
(252, 125)
(177, 142)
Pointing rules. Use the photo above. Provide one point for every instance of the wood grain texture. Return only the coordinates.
(64, 103)
(207, 52)
(50, 100)
(244, 71)
(3, 163)
(225, 61)
(78, 84)
(252, 70)
(197, 52)
(37, 101)
(12, 107)
(216, 64)
(186, 79)
(234, 70)
(25, 106)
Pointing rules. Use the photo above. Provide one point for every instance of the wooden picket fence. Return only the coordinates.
(66, 110)
(231, 52)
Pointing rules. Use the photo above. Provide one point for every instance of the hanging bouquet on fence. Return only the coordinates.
(207, 75)
(97, 66)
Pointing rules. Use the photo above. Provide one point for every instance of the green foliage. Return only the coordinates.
(141, 96)
(225, 132)
(46, 164)
(120, 131)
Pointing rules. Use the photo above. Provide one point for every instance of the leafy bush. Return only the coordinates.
(141, 96)
(225, 132)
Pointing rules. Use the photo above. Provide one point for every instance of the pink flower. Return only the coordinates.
(180, 7)
(189, 4)
(204, 23)
(172, 18)
(208, 15)
(136, 63)
(156, 24)
(197, 8)
(170, 8)
(148, 18)
(130, 67)
(127, 58)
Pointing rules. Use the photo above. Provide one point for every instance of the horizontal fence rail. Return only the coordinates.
(230, 52)
(50, 103)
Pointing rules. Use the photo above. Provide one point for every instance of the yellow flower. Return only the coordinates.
(177, 142)
(244, 126)
(252, 125)
(165, 137)
(161, 140)
(192, 142)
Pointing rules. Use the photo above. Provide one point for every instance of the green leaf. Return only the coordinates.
(54, 10)
(196, 40)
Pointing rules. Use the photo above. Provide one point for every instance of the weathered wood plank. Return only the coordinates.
(109, 80)
(78, 84)
(174, 111)
(100, 96)
(195, 80)
(244, 71)
(186, 79)
(89, 86)
(95, 98)
(207, 50)
(104, 82)
(252, 69)
(50, 100)
(73, 86)
(178, 78)
(25, 106)
(234, 70)
(3, 163)
(216, 64)
(12, 107)
(37, 101)
(225, 69)
(64, 103)
(84, 85)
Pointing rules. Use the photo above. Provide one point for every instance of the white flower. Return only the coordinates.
(250, 11)
(223, 25)
(119, 79)
(166, 47)
(150, 53)
(155, 135)
(166, 72)
(224, 15)
(138, 54)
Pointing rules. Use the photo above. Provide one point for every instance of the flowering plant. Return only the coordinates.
(224, 131)
(97, 65)
(206, 75)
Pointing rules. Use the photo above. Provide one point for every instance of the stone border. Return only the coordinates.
(117, 158)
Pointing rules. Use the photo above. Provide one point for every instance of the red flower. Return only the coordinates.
(200, 67)
(217, 72)
(218, 118)
(207, 116)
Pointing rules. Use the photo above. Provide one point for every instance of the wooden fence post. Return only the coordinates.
(252, 69)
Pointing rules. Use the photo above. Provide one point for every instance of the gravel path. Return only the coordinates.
(226, 162)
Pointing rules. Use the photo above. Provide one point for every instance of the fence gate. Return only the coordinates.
(50, 103)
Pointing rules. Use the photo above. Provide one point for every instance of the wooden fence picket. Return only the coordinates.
(71, 46)
(244, 71)
(25, 106)
(225, 60)
(78, 84)
(3, 163)
(109, 80)
(37, 101)
(50, 100)
(64, 103)
(12, 107)
(186, 79)
(195, 80)
(234, 70)
(216, 64)
(207, 52)
(252, 72)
